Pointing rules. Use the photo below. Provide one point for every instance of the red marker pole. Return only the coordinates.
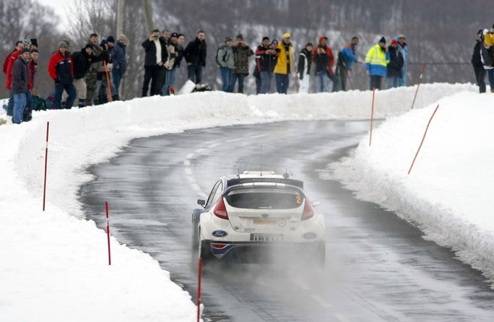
(46, 164)
(108, 232)
(420, 80)
(199, 275)
(423, 138)
(372, 116)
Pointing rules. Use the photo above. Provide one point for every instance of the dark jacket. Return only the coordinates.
(476, 60)
(396, 62)
(20, 76)
(179, 52)
(150, 49)
(195, 53)
(82, 61)
(486, 56)
(304, 63)
(266, 58)
(118, 56)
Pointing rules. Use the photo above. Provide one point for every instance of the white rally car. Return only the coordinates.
(248, 213)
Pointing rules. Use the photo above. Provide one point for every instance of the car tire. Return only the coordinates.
(205, 251)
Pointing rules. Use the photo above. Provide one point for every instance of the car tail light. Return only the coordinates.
(308, 210)
(220, 210)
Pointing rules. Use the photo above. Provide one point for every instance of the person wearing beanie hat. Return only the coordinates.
(110, 39)
(60, 68)
(304, 67)
(225, 60)
(487, 60)
(476, 61)
(403, 49)
(376, 62)
(285, 65)
(241, 54)
(82, 61)
(393, 69)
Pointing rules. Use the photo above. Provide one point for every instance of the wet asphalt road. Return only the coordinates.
(378, 267)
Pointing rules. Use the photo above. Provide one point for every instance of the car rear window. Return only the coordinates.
(265, 198)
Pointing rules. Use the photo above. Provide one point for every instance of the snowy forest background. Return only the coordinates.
(440, 33)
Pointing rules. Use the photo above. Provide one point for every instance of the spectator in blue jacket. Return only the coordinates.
(346, 58)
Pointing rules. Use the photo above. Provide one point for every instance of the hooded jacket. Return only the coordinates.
(285, 64)
(324, 62)
(376, 61)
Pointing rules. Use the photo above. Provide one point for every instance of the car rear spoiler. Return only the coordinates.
(293, 182)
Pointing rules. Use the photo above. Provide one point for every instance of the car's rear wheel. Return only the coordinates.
(205, 250)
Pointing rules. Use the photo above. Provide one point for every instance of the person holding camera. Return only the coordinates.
(266, 57)
(241, 54)
(154, 59)
(323, 59)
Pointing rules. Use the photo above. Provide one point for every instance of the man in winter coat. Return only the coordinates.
(82, 62)
(323, 59)
(304, 67)
(346, 58)
(376, 61)
(155, 58)
(226, 64)
(32, 69)
(241, 54)
(478, 67)
(195, 55)
(61, 70)
(266, 58)
(119, 63)
(8, 66)
(403, 48)
(91, 77)
(20, 85)
(487, 57)
(395, 65)
(285, 64)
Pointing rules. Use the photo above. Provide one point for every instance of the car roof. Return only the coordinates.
(262, 176)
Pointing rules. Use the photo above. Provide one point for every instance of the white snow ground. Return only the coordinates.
(54, 264)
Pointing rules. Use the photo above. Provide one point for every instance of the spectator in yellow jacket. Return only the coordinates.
(285, 64)
(376, 62)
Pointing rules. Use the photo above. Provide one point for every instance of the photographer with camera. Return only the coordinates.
(266, 57)
(323, 59)
(155, 57)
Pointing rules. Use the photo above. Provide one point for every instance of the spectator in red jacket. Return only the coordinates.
(61, 70)
(323, 59)
(7, 69)
(20, 85)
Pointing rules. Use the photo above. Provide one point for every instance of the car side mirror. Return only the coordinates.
(201, 202)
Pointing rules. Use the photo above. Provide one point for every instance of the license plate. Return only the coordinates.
(264, 221)
(266, 237)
